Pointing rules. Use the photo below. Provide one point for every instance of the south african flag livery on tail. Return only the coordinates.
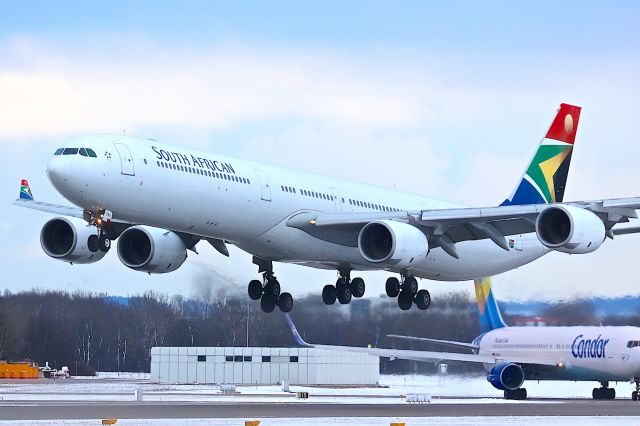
(545, 179)
(25, 191)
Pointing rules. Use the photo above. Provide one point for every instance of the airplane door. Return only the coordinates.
(264, 185)
(126, 160)
(336, 199)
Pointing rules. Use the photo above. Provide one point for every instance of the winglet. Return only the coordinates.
(25, 191)
(294, 330)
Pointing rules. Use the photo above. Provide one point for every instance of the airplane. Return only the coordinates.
(511, 355)
(160, 200)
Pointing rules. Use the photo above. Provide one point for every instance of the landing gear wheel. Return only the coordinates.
(92, 243)
(285, 302)
(104, 244)
(272, 289)
(357, 287)
(255, 289)
(611, 393)
(392, 287)
(423, 300)
(410, 285)
(329, 294)
(596, 393)
(344, 295)
(267, 303)
(521, 394)
(405, 300)
(634, 395)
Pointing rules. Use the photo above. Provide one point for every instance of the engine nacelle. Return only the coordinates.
(67, 239)
(152, 250)
(570, 229)
(393, 243)
(506, 376)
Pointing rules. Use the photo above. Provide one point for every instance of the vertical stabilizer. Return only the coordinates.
(488, 311)
(545, 180)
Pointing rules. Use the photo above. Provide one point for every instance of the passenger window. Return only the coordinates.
(58, 151)
(70, 151)
(91, 153)
(83, 152)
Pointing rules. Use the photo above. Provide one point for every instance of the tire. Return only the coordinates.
(392, 287)
(272, 289)
(634, 395)
(341, 282)
(255, 289)
(92, 243)
(285, 302)
(596, 394)
(357, 287)
(423, 300)
(267, 304)
(405, 300)
(344, 295)
(611, 393)
(508, 394)
(104, 244)
(410, 285)
(521, 394)
(329, 294)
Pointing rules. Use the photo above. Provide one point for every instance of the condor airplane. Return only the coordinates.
(160, 200)
(511, 355)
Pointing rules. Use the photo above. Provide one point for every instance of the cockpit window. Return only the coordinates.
(633, 343)
(58, 151)
(70, 151)
(83, 152)
(91, 153)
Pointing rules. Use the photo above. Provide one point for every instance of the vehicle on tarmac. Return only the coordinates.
(511, 355)
(160, 200)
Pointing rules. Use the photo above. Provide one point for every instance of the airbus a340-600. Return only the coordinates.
(160, 200)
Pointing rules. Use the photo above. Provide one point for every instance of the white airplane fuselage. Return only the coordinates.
(147, 182)
(583, 353)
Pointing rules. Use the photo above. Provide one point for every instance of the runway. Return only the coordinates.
(59, 410)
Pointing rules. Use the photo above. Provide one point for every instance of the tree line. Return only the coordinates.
(95, 332)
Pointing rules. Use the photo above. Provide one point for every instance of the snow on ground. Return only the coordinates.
(364, 421)
(114, 387)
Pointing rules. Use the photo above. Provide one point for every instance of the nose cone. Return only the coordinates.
(59, 172)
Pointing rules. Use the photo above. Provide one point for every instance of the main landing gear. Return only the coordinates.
(407, 293)
(344, 290)
(268, 291)
(516, 394)
(605, 392)
(635, 395)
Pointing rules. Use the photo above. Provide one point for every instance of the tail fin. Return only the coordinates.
(545, 179)
(488, 311)
(25, 191)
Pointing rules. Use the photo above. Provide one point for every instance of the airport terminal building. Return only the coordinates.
(262, 366)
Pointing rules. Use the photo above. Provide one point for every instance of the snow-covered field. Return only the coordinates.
(364, 421)
(113, 387)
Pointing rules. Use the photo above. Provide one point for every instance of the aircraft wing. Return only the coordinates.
(425, 356)
(50, 208)
(453, 343)
(446, 227)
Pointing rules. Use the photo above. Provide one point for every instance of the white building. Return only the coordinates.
(247, 365)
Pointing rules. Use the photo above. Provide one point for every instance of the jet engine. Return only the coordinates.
(67, 239)
(570, 229)
(506, 376)
(393, 243)
(152, 250)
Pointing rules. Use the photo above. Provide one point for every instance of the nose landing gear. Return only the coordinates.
(100, 220)
(635, 395)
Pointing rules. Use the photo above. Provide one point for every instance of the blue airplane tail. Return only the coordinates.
(488, 311)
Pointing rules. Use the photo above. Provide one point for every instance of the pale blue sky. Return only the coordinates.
(447, 99)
